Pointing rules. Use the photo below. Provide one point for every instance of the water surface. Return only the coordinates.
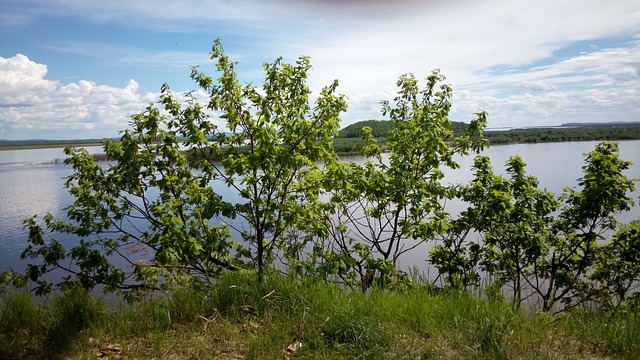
(32, 183)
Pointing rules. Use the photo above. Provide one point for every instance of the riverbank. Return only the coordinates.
(239, 319)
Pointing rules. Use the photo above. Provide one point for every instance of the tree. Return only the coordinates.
(390, 205)
(617, 274)
(146, 199)
(457, 256)
(586, 218)
(284, 139)
(157, 192)
(513, 218)
(554, 249)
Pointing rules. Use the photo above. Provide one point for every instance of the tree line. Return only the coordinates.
(305, 213)
(567, 132)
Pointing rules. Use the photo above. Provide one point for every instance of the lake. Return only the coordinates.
(32, 183)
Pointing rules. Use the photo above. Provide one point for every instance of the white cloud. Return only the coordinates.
(601, 67)
(599, 86)
(29, 101)
(536, 86)
(466, 40)
(552, 108)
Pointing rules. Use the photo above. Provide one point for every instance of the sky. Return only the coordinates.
(76, 69)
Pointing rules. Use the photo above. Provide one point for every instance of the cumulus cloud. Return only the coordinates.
(22, 82)
(29, 101)
(367, 106)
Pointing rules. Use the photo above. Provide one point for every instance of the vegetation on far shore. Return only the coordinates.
(47, 144)
(348, 141)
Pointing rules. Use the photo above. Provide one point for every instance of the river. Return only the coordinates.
(32, 183)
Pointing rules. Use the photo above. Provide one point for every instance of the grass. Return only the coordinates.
(281, 319)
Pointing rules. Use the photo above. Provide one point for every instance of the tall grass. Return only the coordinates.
(616, 333)
(20, 324)
(28, 330)
(240, 318)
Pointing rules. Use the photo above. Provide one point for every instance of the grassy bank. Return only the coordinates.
(239, 319)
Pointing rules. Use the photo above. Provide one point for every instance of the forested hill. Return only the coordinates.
(381, 128)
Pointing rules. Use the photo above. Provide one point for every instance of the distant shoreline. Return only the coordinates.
(613, 131)
(47, 144)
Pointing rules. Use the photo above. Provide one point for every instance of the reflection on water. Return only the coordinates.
(30, 184)
(13, 159)
(25, 192)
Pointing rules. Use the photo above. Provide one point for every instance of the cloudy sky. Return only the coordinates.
(79, 69)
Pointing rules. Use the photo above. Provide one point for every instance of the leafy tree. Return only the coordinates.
(618, 272)
(391, 204)
(285, 138)
(512, 215)
(458, 255)
(146, 199)
(586, 217)
(150, 197)
(530, 243)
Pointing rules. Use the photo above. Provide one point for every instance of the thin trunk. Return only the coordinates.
(260, 243)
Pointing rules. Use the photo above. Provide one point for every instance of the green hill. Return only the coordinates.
(381, 128)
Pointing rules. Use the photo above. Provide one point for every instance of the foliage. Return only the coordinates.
(146, 200)
(392, 203)
(565, 133)
(619, 271)
(586, 217)
(555, 250)
(285, 138)
(150, 197)
(514, 218)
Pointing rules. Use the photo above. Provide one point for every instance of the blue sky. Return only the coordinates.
(80, 69)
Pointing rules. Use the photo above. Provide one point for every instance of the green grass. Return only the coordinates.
(240, 319)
